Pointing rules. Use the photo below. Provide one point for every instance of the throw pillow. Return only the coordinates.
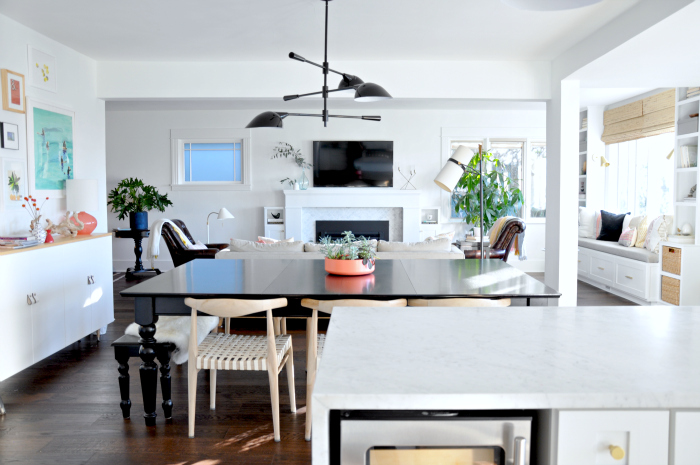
(587, 222)
(438, 245)
(269, 240)
(598, 224)
(657, 232)
(642, 232)
(450, 235)
(626, 222)
(611, 226)
(240, 245)
(628, 237)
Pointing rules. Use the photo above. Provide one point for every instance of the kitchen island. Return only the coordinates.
(602, 382)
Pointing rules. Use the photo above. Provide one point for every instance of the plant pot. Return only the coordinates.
(350, 284)
(347, 267)
(138, 221)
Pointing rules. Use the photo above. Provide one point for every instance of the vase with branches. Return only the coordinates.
(285, 150)
(502, 195)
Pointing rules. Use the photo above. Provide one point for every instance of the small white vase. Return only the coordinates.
(40, 233)
(296, 186)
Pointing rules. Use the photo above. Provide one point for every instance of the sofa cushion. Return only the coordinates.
(614, 248)
(438, 245)
(586, 222)
(611, 226)
(270, 240)
(240, 245)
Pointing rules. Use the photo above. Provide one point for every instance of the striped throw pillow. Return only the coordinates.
(598, 223)
(642, 232)
(628, 237)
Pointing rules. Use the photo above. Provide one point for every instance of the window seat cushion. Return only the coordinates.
(613, 248)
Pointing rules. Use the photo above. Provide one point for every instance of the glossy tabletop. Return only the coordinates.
(308, 278)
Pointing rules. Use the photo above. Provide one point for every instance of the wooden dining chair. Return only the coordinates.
(219, 351)
(315, 341)
(459, 302)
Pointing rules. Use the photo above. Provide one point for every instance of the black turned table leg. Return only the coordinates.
(164, 359)
(138, 251)
(122, 357)
(149, 371)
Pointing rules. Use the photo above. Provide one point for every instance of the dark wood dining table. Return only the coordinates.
(295, 279)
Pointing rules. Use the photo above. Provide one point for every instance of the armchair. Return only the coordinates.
(500, 249)
(179, 252)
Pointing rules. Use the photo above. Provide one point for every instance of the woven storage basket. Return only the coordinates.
(670, 290)
(671, 260)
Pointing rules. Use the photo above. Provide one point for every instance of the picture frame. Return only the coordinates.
(43, 72)
(14, 183)
(9, 139)
(50, 148)
(13, 94)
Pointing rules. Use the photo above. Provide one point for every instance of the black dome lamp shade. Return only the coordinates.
(364, 92)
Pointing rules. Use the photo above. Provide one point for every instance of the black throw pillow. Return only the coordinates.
(611, 226)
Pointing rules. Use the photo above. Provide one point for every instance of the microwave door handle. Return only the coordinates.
(519, 452)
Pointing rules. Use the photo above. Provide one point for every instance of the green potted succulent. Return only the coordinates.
(502, 196)
(348, 256)
(133, 197)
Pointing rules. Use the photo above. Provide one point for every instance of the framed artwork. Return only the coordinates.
(42, 70)
(10, 136)
(49, 148)
(14, 183)
(12, 91)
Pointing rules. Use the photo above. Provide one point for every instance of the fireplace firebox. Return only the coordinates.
(378, 230)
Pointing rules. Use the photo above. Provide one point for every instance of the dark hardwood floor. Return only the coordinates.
(65, 409)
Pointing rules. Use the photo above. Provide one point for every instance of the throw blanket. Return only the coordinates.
(519, 244)
(153, 249)
(176, 329)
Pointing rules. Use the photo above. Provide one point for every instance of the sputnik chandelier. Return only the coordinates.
(364, 92)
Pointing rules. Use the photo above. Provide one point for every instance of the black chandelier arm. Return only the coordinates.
(294, 56)
(366, 118)
(320, 92)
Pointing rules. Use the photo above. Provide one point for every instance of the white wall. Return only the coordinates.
(76, 76)
(138, 145)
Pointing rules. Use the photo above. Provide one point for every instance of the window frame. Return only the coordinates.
(180, 137)
(526, 135)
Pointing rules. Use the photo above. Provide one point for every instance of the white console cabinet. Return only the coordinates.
(54, 295)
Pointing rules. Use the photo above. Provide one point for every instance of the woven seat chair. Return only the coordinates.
(459, 302)
(315, 341)
(220, 351)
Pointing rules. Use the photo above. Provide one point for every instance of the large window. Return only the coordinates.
(525, 164)
(210, 159)
(639, 179)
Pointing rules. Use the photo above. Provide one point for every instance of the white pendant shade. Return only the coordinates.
(224, 214)
(451, 173)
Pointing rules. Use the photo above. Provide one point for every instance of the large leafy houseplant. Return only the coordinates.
(502, 196)
(132, 196)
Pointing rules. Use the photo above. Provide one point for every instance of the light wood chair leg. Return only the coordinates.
(97, 333)
(191, 395)
(278, 328)
(283, 328)
(275, 398)
(228, 325)
(212, 389)
(311, 359)
(289, 366)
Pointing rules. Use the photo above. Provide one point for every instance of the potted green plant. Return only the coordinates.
(133, 197)
(502, 196)
(348, 256)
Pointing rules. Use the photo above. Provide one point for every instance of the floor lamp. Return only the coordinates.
(223, 214)
(453, 171)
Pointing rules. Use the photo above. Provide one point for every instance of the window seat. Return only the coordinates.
(613, 248)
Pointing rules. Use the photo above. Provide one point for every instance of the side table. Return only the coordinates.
(137, 235)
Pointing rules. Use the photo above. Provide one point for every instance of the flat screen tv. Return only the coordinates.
(353, 163)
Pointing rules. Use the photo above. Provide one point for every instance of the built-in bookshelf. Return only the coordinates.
(685, 157)
(591, 176)
(582, 157)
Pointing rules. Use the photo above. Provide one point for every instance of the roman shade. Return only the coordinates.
(643, 118)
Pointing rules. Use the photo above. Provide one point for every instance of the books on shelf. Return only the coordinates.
(17, 238)
(18, 244)
(584, 123)
(689, 156)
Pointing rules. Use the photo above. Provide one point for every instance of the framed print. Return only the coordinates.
(10, 136)
(49, 148)
(14, 183)
(42, 70)
(12, 91)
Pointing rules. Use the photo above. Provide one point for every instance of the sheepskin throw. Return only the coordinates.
(176, 329)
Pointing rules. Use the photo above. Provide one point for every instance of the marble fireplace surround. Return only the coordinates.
(303, 208)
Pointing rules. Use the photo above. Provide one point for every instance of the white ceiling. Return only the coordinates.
(317, 104)
(233, 30)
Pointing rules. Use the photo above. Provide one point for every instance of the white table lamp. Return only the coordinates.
(81, 197)
(223, 214)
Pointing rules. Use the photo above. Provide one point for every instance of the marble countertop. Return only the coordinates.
(511, 358)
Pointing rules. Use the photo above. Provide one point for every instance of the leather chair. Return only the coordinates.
(179, 252)
(500, 249)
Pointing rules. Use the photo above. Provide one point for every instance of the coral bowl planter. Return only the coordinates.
(347, 267)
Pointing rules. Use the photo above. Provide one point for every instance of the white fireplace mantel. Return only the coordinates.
(366, 197)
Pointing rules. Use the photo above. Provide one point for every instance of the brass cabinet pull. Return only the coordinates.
(629, 277)
(601, 268)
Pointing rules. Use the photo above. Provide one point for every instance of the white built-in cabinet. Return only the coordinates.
(53, 295)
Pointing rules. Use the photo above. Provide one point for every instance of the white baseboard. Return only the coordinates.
(120, 266)
(609, 289)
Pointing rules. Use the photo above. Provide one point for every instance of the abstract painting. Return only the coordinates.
(42, 70)
(14, 179)
(50, 144)
(12, 91)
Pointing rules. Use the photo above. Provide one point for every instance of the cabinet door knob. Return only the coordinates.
(617, 452)
(29, 299)
(92, 279)
(34, 296)
(88, 280)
